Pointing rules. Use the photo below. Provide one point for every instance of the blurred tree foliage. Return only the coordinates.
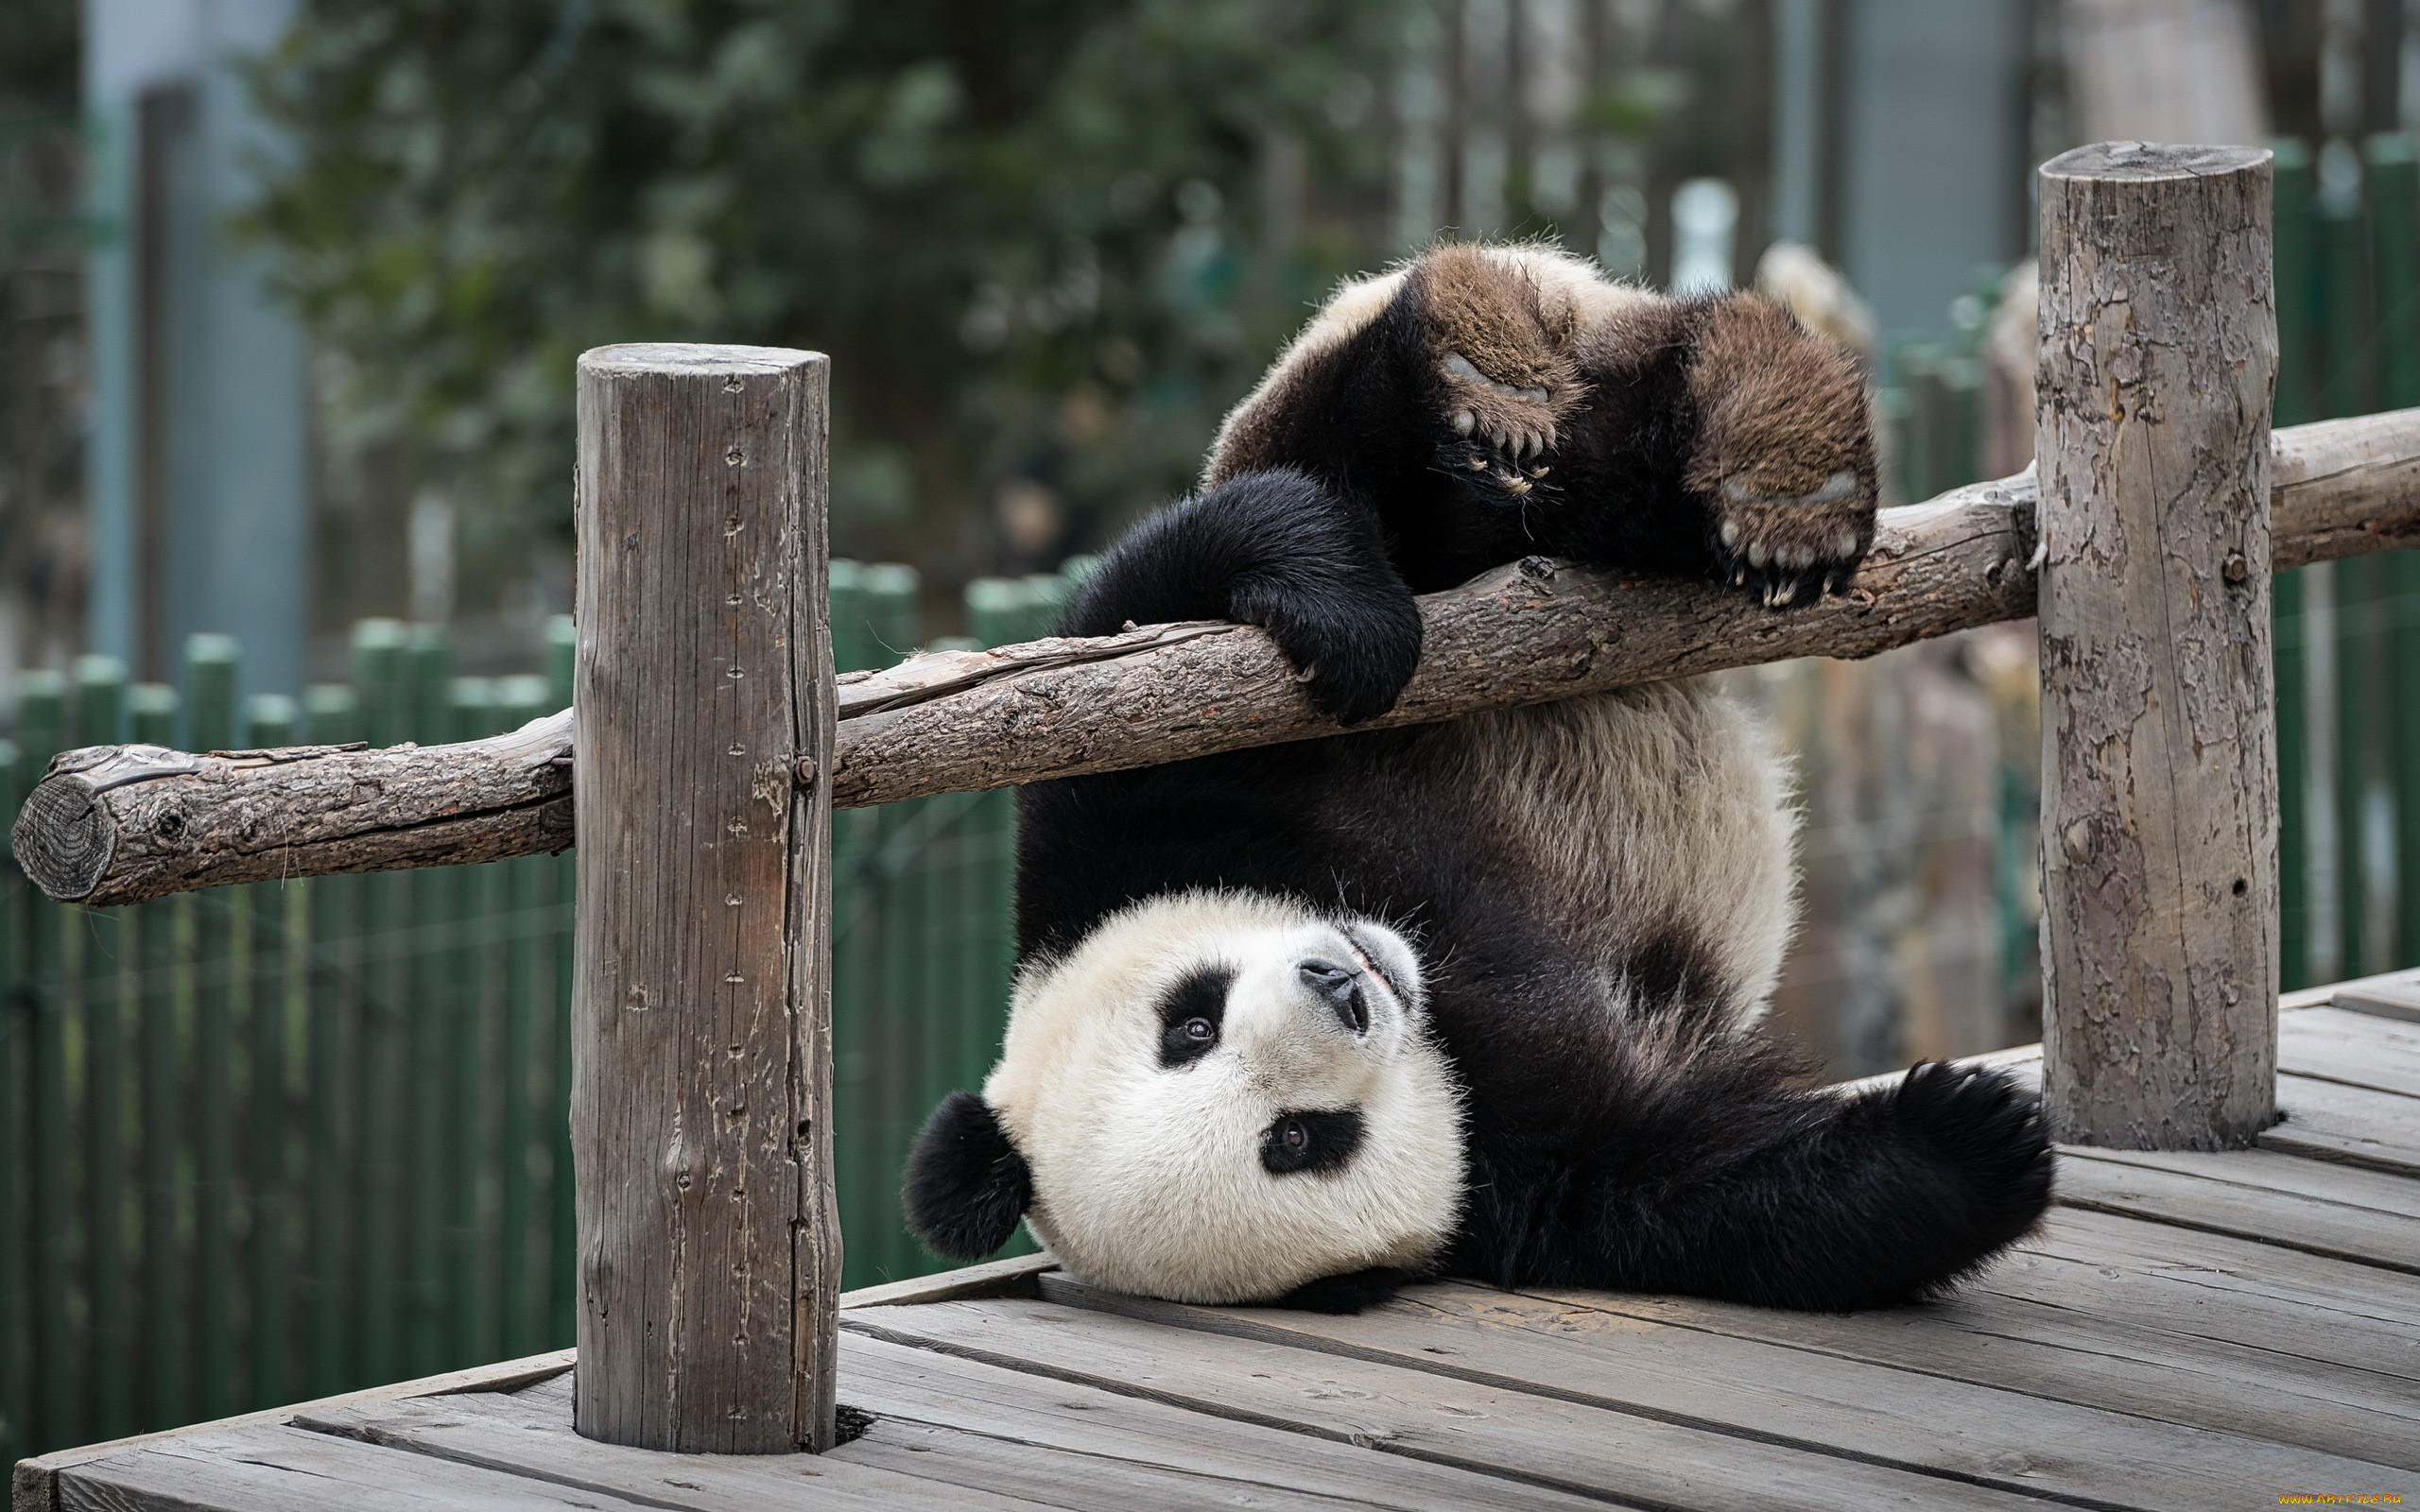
(37, 54)
(1040, 238)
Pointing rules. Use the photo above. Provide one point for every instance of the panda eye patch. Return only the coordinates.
(1312, 1140)
(1190, 1016)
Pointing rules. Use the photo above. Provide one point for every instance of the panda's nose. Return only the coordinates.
(1339, 987)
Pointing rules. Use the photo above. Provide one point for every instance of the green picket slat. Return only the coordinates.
(52, 1409)
(270, 934)
(2346, 385)
(157, 1003)
(221, 994)
(384, 1072)
(2294, 809)
(478, 902)
(2296, 274)
(561, 1252)
(522, 1107)
(99, 961)
(333, 711)
(2393, 186)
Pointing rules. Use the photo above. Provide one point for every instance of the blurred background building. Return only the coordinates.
(291, 292)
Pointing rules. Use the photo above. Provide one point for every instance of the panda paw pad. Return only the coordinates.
(1793, 548)
(1499, 433)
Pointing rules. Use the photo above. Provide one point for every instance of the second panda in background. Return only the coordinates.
(1298, 1024)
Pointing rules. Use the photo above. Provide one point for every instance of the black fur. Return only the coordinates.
(1310, 1139)
(966, 1185)
(1349, 1293)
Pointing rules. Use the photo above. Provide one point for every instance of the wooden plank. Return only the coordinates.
(2211, 1287)
(1013, 1277)
(1498, 1427)
(995, 1433)
(2357, 1049)
(2249, 1266)
(2048, 1351)
(35, 1478)
(272, 1469)
(1533, 1364)
(2349, 1186)
(2207, 1200)
(2328, 1120)
(532, 1441)
(2395, 996)
(923, 1388)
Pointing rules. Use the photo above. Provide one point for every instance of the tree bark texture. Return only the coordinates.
(709, 1244)
(168, 822)
(2159, 796)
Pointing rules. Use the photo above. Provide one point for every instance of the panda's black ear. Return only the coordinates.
(966, 1186)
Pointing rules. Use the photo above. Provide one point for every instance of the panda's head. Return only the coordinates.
(1214, 1097)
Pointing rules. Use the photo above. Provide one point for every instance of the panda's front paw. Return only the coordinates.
(1500, 385)
(1784, 461)
(1353, 662)
(1796, 548)
(1500, 433)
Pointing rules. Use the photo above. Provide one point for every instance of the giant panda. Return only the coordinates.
(1300, 1023)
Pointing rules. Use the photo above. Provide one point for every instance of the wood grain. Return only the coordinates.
(2290, 1217)
(2048, 1351)
(1500, 1426)
(709, 1244)
(533, 1438)
(271, 1469)
(1784, 1396)
(2328, 1121)
(2159, 769)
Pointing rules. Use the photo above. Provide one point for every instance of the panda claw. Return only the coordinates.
(1463, 422)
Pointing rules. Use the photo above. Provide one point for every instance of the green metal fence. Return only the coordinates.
(267, 1142)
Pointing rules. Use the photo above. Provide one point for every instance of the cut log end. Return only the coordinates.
(63, 840)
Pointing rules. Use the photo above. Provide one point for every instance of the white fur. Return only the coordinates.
(1647, 805)
(1148, 1179)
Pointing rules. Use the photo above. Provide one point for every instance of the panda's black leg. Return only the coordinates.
(1809, 1201)
(1783, 455)
(1280, 550)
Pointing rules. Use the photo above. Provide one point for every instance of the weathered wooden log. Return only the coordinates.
(2159, 762)
(701, 1014)
(957, 719)
(115, 824)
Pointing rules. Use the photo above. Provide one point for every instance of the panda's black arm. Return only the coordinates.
(1280, 550)
(1807, 1200)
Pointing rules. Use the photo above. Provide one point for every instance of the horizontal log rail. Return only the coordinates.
(119, 824)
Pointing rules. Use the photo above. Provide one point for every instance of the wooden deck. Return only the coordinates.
(2191, 1332)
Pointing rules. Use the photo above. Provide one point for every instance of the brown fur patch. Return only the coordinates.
(1497, 353)
(1779, 412)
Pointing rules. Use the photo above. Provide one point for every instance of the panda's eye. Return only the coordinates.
(1190, 1015)
(1310, 1139)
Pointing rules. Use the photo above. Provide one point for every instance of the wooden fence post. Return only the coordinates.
(2159, 783)
(702, 1076)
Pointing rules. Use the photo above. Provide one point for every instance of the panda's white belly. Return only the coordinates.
(1642, 809)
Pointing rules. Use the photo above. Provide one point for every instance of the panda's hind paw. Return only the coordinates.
(1988, 1130)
